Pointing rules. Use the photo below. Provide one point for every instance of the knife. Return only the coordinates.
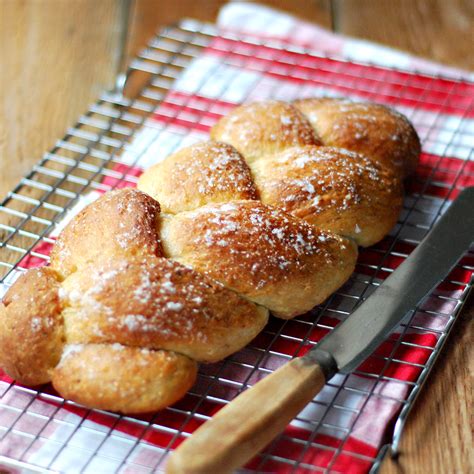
(246, 425)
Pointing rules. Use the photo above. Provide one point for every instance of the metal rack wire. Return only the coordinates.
(167, 109)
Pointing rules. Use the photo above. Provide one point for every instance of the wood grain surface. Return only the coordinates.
(438, 435)
(436, 29)
(57, 55)
(55, 59)
(146, 17)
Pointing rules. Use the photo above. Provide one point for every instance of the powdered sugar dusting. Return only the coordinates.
(279, 126)
(147, 301)
(257, 241)
(41, 323)
(373, 129)
(174, 306)
(202, 173)
(320, 178)
(136, 213)
(69, 350)
(215, 168)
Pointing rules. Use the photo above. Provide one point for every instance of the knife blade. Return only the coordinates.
(243, 427)
(358, 336)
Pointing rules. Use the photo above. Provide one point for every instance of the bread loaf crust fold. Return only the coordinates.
(204, 173)
(158, 304)
(270, 257)
(371, 129)
(333, 189)
(121, 223)
(261, 129)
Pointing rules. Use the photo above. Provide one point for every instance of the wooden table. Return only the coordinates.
(52, 61)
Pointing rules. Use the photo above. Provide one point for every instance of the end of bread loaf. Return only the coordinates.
(371, 129)
(31, 327)
(123, 379)
(268, 256)
(333, 189)
(123, 332)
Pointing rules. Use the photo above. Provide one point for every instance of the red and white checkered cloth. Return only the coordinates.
(358, 417)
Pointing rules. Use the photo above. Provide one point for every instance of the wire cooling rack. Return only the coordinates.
(183, 82)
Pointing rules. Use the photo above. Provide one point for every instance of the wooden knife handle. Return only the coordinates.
(246, 425)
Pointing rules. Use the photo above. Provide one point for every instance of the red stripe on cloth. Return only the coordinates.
(123, 180)
(406, 355)
(444, 164)
(318, 452)
(437, 189)
(200, 102)
(375, 262)
(290, 57)
(189, 123)
(192, 110)
(446, 176)
(409, 352)
(373, 82)
(377, 255)
(447, 168)
(32, 261)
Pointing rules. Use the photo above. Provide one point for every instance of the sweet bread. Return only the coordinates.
(145, 283)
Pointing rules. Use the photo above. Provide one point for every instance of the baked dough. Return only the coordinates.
(144, 284)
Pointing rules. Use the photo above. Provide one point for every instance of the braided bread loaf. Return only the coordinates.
(144, 283)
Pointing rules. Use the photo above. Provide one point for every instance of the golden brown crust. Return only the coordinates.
(263, 128)
(158, 304)
(272, 258)
(31, 327)
(204, 173)
(123, 379)
(371, 129)
(119, 224)
(333, 189)
(134, 323)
